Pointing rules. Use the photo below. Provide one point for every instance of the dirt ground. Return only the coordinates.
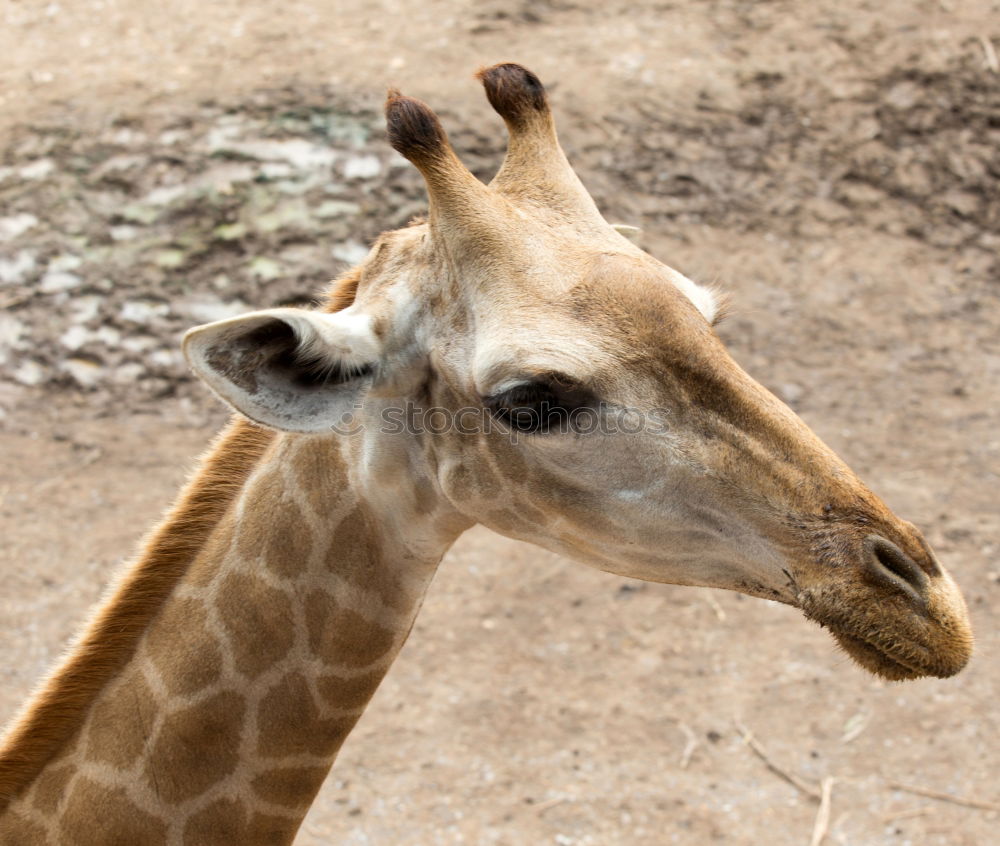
(835, 167)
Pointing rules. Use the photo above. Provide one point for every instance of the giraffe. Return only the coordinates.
(591, 409)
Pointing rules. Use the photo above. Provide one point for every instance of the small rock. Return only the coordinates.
(138, 343)
(75, 337)
(230, 231)
(127, 373)
(55, 281)
(204, 308)
(124, 232)
(143, 311)
(14, 271)
(37, 169)
(86, 308)
(164, 195)
(265, 269)
(29, 373)
(292, 215)
(11, 330)
(138, 213)
(86, 372)
(336, 208)
(169, 259)
(350, 251)
(362, 167)
(167, 359)
(18, 224)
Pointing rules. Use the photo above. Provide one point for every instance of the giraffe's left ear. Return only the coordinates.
(287, 368)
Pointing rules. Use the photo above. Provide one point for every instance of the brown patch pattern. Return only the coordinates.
(259, 621)
(289, 722)
(183, 651)
(113, 819)
(342, 637)
(196, 748)
(293, 787)
(121, 721)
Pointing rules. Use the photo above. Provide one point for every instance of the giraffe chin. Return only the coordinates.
(880, 663)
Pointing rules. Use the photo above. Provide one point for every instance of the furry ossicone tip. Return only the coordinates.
(414, 130)
(515, 93)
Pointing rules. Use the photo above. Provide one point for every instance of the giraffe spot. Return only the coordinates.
(289, 723)
(270, 829)
(343, 637)
(50, 787)
(196, 748)
(18, 830)
(121, 720)
(349, 693)
(185, 654)
(319, 469)
(283, 538)
(293, 787)
(222, 823)
(213, 553)
(354, 555)
(96, 815)
(259, 621)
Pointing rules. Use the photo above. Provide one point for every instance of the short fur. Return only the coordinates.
(56, 711)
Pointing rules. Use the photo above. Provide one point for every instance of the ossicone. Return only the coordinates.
(515, 93)
(414, 130)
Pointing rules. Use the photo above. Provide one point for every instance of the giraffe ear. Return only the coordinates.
(287, 368)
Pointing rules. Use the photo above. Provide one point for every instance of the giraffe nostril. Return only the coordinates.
(890, 565)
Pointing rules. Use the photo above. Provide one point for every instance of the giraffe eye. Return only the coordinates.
(538, 407)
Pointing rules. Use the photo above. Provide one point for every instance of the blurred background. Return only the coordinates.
(834, 166)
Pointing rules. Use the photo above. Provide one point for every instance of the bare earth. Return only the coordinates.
(834, 166)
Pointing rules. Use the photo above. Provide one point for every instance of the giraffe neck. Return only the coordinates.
(226, 719)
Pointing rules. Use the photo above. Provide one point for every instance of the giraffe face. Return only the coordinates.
(555, 383)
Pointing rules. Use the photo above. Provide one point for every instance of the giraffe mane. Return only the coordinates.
(57, 709)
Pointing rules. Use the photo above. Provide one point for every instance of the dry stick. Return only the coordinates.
(909, 813)
(690, 746)
(759, 751)
(945, 797)
(822, 823)
(990, 55)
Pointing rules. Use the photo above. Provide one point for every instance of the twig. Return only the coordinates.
(719, 612)
(945, 797)
(989, 54)
(907, 814)
(822, 823)
(690, 746)
(760, 752)
(542, 807)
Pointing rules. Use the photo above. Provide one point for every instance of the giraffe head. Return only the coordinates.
(515, 361)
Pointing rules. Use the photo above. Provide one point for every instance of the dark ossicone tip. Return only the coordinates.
(414, 130)
(513, 91)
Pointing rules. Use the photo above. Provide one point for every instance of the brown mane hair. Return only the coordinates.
(55, 711)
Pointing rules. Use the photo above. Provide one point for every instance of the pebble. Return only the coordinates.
(362, 167)
(85, 371)
(29, 373)
(14, 271)
(143, 311)
(350, 251)
(18, 224)
(55, 281)
(11, 330)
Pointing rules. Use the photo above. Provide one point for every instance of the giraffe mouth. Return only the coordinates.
(877, 660)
